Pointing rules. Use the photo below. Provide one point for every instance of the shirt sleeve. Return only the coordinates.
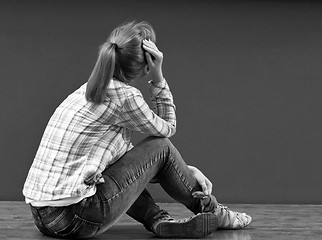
(137, 115)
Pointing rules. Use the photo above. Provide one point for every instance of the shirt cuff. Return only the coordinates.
(157, 88)
(160, 84)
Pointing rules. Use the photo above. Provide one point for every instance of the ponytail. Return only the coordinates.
(102, 73)
(121, 57)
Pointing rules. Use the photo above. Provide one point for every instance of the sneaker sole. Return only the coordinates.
(198, 226)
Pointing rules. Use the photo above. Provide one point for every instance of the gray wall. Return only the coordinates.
(246, 76)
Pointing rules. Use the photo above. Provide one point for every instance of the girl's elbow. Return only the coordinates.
(172, 129)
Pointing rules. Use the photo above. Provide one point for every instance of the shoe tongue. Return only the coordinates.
(162, 215)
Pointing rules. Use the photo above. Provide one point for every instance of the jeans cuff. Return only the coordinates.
(208, 204)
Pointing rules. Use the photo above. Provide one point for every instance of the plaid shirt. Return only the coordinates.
(82, 138)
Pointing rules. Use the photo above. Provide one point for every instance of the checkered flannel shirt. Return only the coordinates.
(82, 138)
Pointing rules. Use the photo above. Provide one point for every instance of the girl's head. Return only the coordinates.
(121, 57)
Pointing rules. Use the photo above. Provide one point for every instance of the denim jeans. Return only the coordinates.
(124, 191)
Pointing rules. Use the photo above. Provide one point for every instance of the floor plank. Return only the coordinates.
(269, 222)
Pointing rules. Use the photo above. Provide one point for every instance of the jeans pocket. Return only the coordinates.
(76, 228)
(63, 222)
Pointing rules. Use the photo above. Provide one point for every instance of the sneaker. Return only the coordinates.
(231, 220)
(227, 219)
(198, 226)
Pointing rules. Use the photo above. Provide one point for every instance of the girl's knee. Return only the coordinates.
(159, 141)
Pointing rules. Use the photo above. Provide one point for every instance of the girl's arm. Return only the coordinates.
(203, 181)
(136, 114)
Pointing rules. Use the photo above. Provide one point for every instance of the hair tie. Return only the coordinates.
(114, 45)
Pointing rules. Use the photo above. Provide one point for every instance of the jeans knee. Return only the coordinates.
(160, 142)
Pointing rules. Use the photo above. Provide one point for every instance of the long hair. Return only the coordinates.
(121, 57)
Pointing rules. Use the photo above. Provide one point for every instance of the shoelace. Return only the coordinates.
(230, 215)
(162, 215)
(222, 207)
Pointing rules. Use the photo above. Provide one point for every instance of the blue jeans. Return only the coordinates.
(124, 191)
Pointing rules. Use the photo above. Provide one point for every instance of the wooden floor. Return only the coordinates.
(269, 222)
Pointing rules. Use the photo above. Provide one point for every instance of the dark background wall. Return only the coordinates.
(246, 76)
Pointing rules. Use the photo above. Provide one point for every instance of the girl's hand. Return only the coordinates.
(203, 181)
(154, 58)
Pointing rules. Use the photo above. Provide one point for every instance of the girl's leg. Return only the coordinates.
(144, 209)
(174, 176)
(125, 182)
(124, 191)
